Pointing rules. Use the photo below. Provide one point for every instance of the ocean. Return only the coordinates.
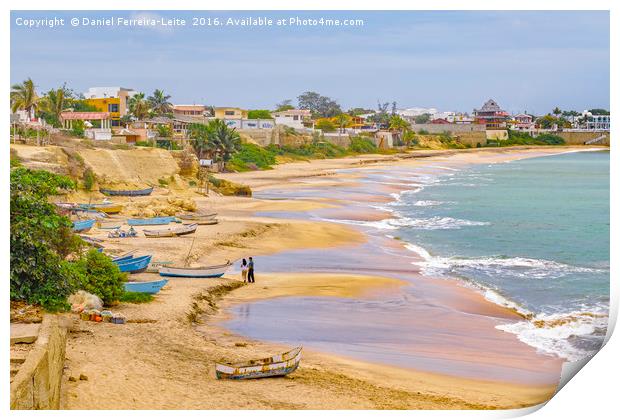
(531, 235)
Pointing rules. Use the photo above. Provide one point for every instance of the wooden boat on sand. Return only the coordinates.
(279, 365)
(134, 265)
(153, 221)
(83, 225)
(171, 232)
(114, 224)
(150, 287)
(108, 208)
(197, 216)
(130, 193)
(196, 272)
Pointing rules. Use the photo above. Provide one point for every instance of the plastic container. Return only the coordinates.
(106, 316)
(94, 314)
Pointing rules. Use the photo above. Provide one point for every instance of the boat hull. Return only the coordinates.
(150, 287)
(129, 193)
(83, 225)
(152, 221)
(201, 272)
(171, 232)
(134, 265)
(279, 365)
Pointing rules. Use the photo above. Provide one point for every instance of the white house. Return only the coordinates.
(293, 118)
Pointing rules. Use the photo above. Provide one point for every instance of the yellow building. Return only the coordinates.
(113, 100)
(229, 113)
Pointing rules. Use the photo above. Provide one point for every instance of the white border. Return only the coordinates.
(592, 394)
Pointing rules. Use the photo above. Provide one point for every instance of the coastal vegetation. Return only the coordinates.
(215, 141)
(519, 138)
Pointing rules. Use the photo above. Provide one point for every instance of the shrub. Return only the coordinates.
(77, 128)
(136, 297)
(251, 154)
(88, 179)
(40, 240)
(423, 132)
(362, 145)
(259, 114)
(97, 274)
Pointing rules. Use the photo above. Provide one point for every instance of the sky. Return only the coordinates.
(454, 61)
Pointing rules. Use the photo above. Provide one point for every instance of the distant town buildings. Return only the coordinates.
(293, 118)
(114, 100)
(491, 115)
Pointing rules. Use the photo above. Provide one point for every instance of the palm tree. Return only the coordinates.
(159, 102)
(139, 106)
(24, 96)
(54, 102)
(343, 120)
(557, 111)
(215, 140)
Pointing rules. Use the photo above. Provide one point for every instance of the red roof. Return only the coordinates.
(440, 121)
(84, 115)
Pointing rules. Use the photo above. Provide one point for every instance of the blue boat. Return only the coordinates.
(153, 221)
(83, 225)
(150, 287)
(131, 193)
(124, 258)
(134, 265)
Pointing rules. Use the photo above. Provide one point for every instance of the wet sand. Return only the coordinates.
(162, 360)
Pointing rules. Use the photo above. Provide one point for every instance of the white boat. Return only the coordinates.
(279, 365)
(171, 232)
(196, 272)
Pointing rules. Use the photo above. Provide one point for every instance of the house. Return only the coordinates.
(102, 119)
(293, 118)
(113, 100)
(596, 122)
(230, 113)
(491, 115)
(524, 123)
(188, 110)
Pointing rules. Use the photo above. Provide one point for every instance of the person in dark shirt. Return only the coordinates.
(251, 270)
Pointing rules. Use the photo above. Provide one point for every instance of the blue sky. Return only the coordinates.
(527, 61)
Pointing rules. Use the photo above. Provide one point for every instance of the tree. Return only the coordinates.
(139, 107)
(97, 274)
(422, 119)
(24, 96)
(360, 111)
(53, 103)
(556, 111)
(326, 125)
(383, 115)
(547, 122)
(398, 123)
(159, 103)
(343, 120)
(409, 138)
(126, 120)
(259, 114)
(215, 140)
(599, 111)
(285, 105)
(320, 106)
(40, 239)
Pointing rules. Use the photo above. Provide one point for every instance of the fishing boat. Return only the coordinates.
(203, 222)
(116, 224)
(134, 265)
(197, 216)
(124, 256)
(108, 208)
(131, 193)
(279, 365)
(150, 287)
(196, 272)
(83, 225)
(171, 232)
(154, 266)
(153, 221)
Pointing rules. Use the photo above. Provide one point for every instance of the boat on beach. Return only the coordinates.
(171, 232)
(134, 265)
(196, 272)
(115, 224)
(279, 365)
(197, 216)
(129, 193)
(153, 221)
(108, 208)
(150, 287)
(83, 225)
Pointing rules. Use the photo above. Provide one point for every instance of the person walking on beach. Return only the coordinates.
(244, 270)
(251, 271)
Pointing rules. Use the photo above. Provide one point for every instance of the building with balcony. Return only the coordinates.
(293, 118)
(113, 100)
(491, 115)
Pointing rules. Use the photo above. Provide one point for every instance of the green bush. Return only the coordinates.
(136, 297)
(259, 114)
(251, 157)
(40, 240)
(89, 179)
(362, 145)
(97, 274)
(77, 128)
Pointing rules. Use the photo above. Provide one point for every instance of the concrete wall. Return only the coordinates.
(580, 137)
(37, 384)
(452, 128)
(497, 134)
(472, 138)
(262, 137)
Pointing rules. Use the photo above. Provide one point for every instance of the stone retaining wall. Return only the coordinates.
(37, 384)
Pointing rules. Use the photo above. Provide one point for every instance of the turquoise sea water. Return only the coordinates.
(531, 234)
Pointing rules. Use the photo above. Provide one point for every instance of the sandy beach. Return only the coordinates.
(163, 358)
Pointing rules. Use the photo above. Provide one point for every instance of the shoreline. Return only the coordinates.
(242, 232)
